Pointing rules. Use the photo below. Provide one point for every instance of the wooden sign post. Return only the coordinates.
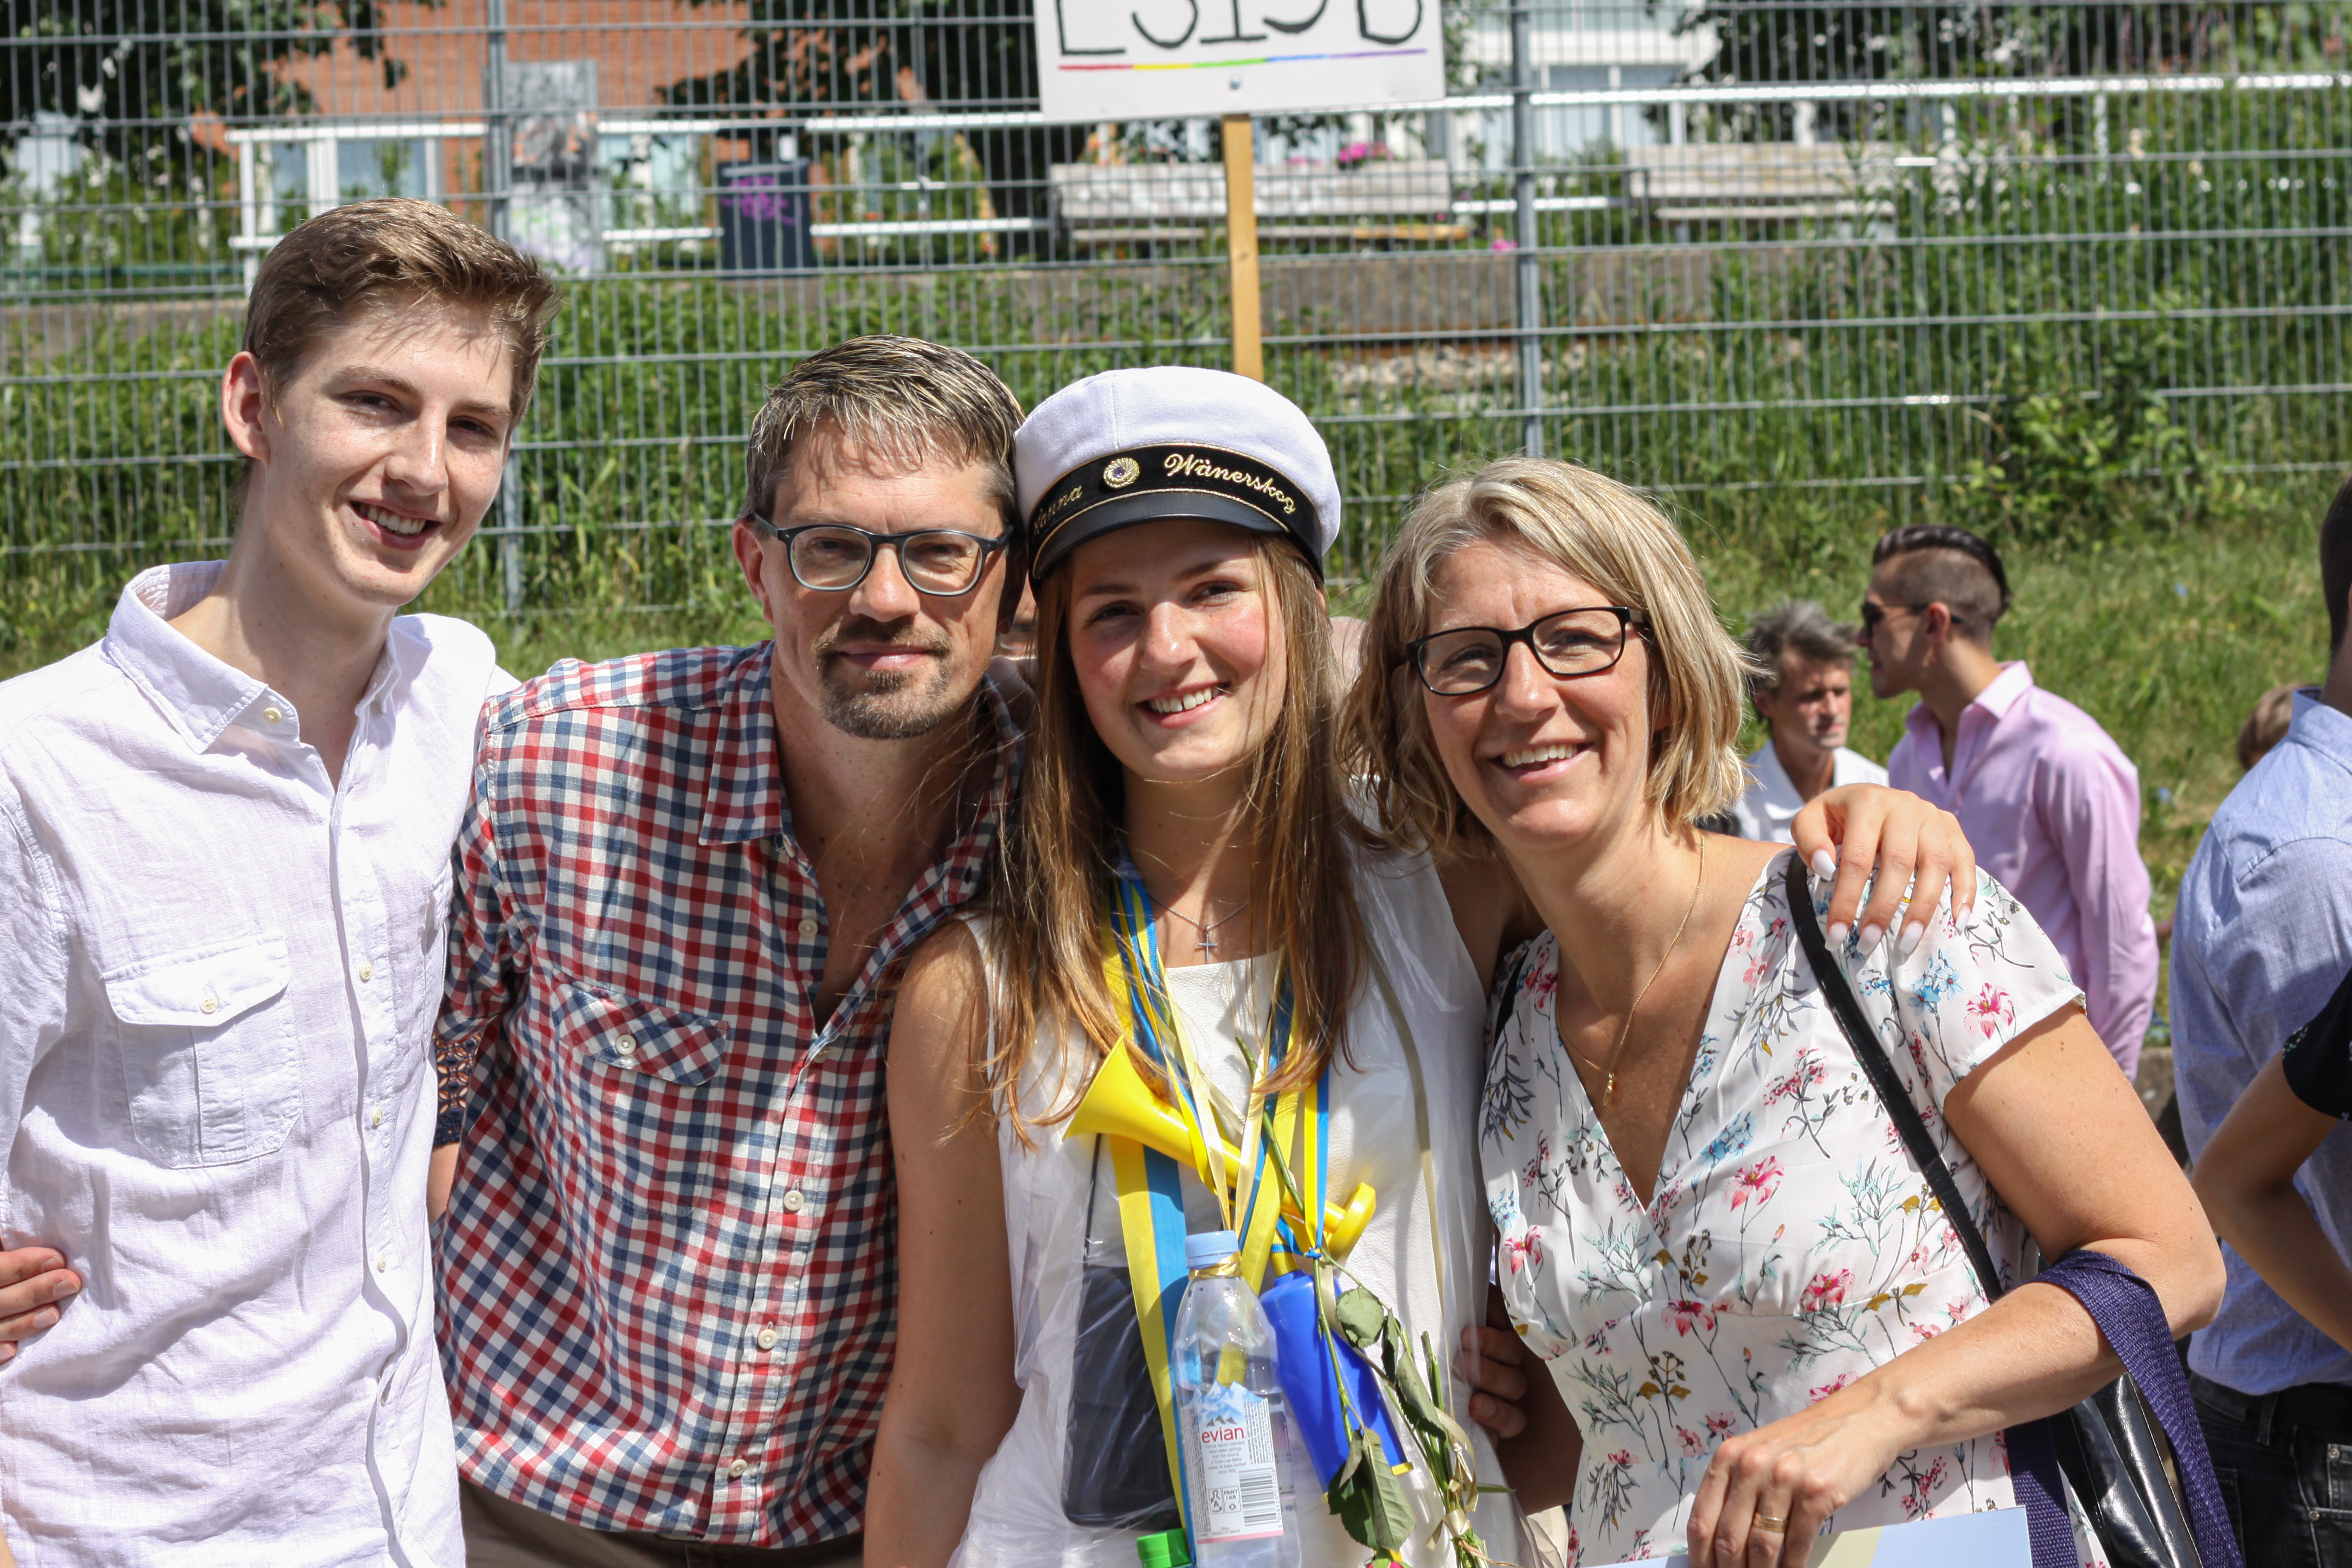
(1172, 59)
(1241, 244)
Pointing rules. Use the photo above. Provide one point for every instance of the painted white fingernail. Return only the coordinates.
(1824, 864)
(1871, 934)
(1837, 932)
(1910, 941)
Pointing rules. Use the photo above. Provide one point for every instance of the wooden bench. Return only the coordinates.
(1731, 182)
(1127, 203)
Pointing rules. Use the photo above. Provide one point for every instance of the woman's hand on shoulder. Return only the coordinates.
(1858, 830)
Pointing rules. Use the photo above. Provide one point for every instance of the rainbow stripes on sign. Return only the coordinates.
(1235, 64)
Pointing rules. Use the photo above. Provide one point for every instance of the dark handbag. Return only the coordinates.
(2104, 1448)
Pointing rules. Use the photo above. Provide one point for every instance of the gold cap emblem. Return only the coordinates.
(1121, 472)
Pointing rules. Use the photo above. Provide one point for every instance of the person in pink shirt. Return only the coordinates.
(2046, 796)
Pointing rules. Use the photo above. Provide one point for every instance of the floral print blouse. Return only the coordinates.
(1791, 1245)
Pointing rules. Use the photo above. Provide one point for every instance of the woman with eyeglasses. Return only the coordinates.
(1709, 1226)
(1191, 926)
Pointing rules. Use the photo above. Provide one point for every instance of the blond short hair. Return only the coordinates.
(372, 260)
(1605, 532)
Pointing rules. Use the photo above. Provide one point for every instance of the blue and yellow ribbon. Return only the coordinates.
(1149, 1182)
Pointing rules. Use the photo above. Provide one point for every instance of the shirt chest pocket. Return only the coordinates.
(612, 1030)
(208, 1054)
(640, 1124)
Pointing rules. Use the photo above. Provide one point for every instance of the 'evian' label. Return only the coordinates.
(1240, 1493)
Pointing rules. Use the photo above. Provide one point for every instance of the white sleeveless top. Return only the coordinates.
(1429, 1266)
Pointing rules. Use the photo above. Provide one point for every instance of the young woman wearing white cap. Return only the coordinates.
(1185, 833)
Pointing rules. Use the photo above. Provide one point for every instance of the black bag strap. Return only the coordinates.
(1838, 991)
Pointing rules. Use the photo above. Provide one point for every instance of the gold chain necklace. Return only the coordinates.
(1609, 1088)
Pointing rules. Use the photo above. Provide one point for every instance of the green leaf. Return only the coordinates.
(1355, 1461)
(1360, 1317)
(1412, 1397)
(1367, 1503)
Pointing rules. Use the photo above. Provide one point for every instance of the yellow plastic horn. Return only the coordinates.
(1121, 1105)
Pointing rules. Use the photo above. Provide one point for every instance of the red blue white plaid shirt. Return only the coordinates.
(669, 1268)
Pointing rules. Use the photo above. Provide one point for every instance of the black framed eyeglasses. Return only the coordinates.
(1567, 642)
(832, 557)
(1871, 615)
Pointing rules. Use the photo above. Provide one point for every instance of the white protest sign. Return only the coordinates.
(1143, 59)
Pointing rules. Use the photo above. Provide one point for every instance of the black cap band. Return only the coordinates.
(1141, 484)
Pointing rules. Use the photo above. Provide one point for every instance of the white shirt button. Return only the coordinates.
(376, 1117)
(795, 1200)
(625, 1046)
(768, 1338)
(736, 1471)
(382, 1261)
(272, 715)
(208, 1005)
(367, 971)
(808, 926)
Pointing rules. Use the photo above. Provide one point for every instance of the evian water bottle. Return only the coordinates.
(1230, 1416)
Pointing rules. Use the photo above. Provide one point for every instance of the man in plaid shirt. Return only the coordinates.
(686, 884)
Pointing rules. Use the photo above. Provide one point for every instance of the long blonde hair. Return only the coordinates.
(1056, 872)
(1605, 532)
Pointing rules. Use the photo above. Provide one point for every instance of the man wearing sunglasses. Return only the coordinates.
(686, 888)
(2047, 798)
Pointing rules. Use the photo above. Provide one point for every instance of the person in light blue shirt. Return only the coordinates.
(2262, 937)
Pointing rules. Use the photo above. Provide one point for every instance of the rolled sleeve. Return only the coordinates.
(2091, 806)
(483, 981)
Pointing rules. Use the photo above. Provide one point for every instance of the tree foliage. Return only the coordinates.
(865, 54)
(1777, 41)
(133, 74)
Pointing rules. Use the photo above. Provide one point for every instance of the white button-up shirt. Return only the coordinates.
(218, 978)
(1772, 802)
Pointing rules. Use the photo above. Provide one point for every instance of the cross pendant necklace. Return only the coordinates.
(1209, 930)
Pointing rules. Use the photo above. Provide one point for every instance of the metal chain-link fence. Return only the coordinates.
(2044, 268)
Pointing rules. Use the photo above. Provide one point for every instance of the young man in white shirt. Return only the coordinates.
(1804, 694)
(225, 832)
